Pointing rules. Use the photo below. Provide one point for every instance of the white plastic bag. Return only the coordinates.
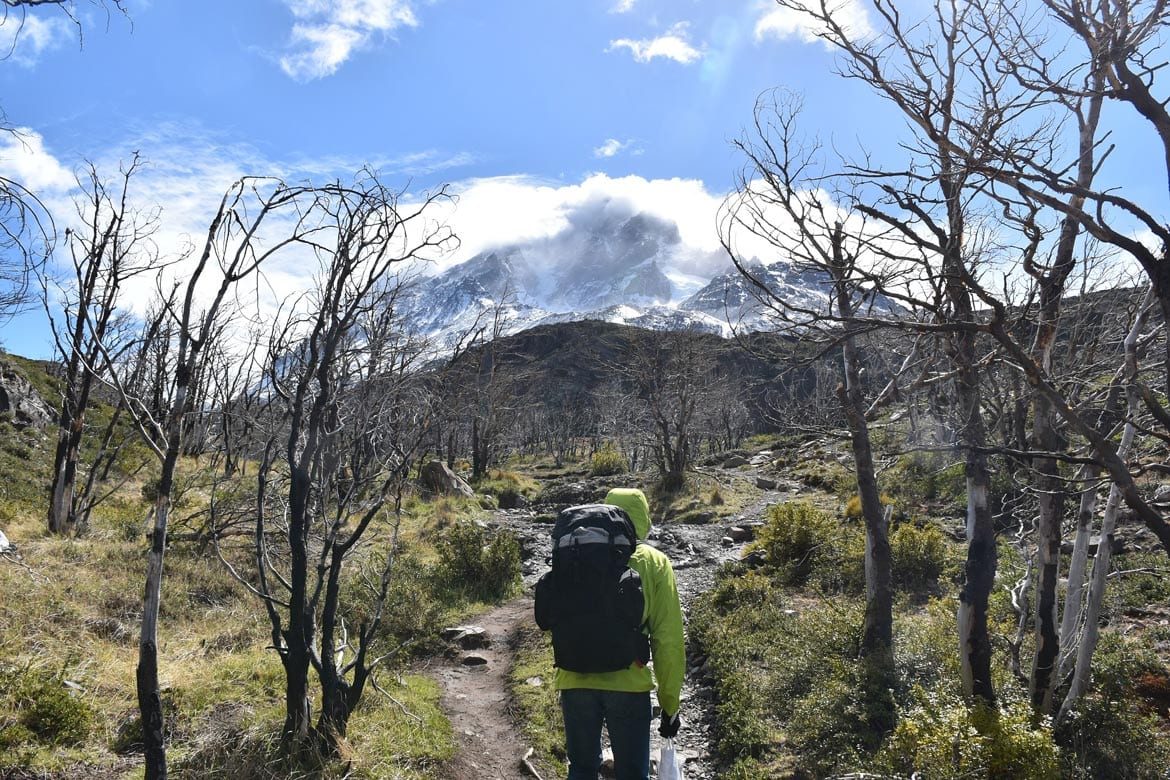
(669, 762)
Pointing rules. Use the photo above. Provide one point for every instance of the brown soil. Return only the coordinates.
(477, 701)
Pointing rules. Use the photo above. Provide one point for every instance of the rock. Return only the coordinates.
(607, 763)
(5, 545)
(437, 478)
(766, 483)
(741, 533)
(755, 558)
(727, 541)
(1119, 546)
(735, 461)
(573, 493)
(21, 400)
(699, 518)
(468, 637)
(534, 682)
(514, 500)
(474, 661)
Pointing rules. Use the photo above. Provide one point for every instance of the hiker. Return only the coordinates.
(621, 699)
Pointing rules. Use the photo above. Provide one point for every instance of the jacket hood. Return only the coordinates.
(634, 502)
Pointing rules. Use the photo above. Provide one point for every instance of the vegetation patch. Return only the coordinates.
(539, 710)
(607, 462)
(477, 564)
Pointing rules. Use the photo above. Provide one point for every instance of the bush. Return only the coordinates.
(919, 555)
(853, 505)
(797, 538)
(1110, 735)
(412, 617)
(479, 567)
(39, 707)
(946, 739)
(923, 476)
(826, 475)
(510, 489)
(784, 679)
(607, 461)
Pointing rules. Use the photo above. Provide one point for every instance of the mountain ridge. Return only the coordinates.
(621, 267)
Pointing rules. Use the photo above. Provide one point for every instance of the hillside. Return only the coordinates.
(767, 545)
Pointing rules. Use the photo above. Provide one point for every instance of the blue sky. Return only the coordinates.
(528, 108)
(435, 89)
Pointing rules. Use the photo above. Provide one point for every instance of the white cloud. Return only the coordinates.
(24, 159)
(328, 32)
(500, 211)
(788, 23)
(674, 44)
(613, 146)
(24, 37)
(186, 172)
(622, 6)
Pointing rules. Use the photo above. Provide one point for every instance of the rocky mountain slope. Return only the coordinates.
(619, 267)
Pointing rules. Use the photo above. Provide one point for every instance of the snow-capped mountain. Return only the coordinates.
(617, 267)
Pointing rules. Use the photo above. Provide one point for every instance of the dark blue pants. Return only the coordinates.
(625, 715)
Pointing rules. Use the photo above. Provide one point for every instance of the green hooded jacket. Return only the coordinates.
(663, 615)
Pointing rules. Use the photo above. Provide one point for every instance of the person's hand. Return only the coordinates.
(669, 724)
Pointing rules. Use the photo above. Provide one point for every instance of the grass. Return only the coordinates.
(538, 705)
(71, 614)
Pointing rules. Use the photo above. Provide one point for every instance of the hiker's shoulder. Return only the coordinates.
(649, 556)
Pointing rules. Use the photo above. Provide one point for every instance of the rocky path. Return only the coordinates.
(476, 680)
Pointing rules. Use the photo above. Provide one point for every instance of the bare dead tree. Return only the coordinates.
(339, 369)
(15, 13)
(993, 105)
(27, 238)
(235, 247)
(112, 248)
(778, 200)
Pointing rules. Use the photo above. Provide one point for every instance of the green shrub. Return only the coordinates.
(797, 538)
(771, 665)
(510, 489)
(853, 505)
(478, 566)
(39, 707)
(946, 739)
(924, 647)
(412, 617)
(1141, 588)
(607, 461)
(919, 555)
(1110, 735)
(826, 475)
(921, 476)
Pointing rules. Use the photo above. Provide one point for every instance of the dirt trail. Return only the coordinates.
(477, 701)
(476, 697)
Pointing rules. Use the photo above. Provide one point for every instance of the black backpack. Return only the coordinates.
(591, 599)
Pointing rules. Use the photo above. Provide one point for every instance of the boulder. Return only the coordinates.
(735, 461)
(468, 637)
(739, 533)
(573, 493)
(21, 400)
(5, 545)
(436, 477)
(766, 483)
